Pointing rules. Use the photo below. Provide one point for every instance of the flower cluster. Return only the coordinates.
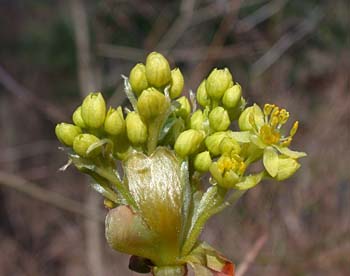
(164, 146)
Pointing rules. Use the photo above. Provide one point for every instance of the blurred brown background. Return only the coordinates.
(292, 53)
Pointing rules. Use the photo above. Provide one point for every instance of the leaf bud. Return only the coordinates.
(82, 143)
(66, 133)
(78, 119)
(151, 104)
(188, 142)
(219, 119)
(137, 78)
(157, 70)
(218, 82)
(202, 95)
(213, 142)
(114, 122)
(232, 96)
(202, 161)
(93, 110)
(177, 83)
(136, 129)
(185, 108)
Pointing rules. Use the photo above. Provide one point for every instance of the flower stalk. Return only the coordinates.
(164, 146)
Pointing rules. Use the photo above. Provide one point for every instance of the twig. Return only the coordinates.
(179, 26)
(268, 10)
(51, 111)
(285, 42)
(218, 41)
(180, 55)
(251, 255)
(52, 198)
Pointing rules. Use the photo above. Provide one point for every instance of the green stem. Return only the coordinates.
(153, 133)
(111, 177)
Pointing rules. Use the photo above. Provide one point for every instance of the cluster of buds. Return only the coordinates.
(165, 145)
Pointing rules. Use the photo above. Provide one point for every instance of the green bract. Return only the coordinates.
(159, 203)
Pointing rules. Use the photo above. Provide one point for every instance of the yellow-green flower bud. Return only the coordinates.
(252, 114)
(219, 119)
(232, 96)
(197, 120)
(114, 122)
(93, 110)
(229, 145)
(151, 104)
(137, 78)
(177, 83)
(157, 70)
(78, 119)
(213, 142)
(135, 129)
(188, 142)
(185, 108)
(82, 143)
(66, 133)
(202, 161)
(218, 82)
(202, 95)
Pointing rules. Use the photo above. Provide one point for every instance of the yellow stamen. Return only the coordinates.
(294, 128)
(268, 109)
(269, 135)
(286, 142)
(283, 116)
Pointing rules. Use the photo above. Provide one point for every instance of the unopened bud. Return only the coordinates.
(177, 83)
(137, 78)
(213, 142)
(157, 70)
(114, 122)
(219, 119)
(66, 133)
(93, 110)
(202, 161)
(218, 82)
(197, 120)
(188, 142)
(152, 104)
(232, 96)
(202, 95)
(82, 143)
(185, 108)
(78, 119)
(252, 116)
(229, 145)
(136, 129)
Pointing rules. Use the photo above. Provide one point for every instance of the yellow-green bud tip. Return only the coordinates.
(78, 119)
(177, 83)
(114, 123)
(152, 104)
(93, 110)
(202, 161)
(66, 133)
(219, 119)
(185, 108)
(218, 82)
(137, 78)
(157, 70)
(82, 143)
(136, 129)
(232, 96)
(202, 95)
(188, 142)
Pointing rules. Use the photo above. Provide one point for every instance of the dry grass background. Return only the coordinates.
(293, 53)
